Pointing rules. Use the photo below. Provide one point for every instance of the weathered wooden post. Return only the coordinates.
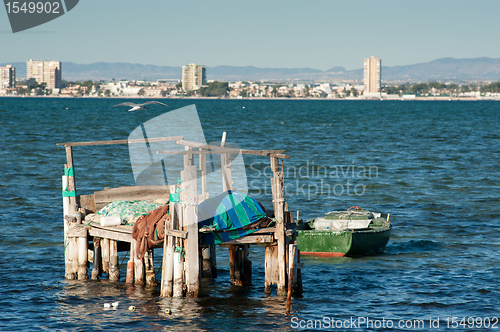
(114, 271)
(105, 255)
(97, 265)
(83, 255)
(150, 271)
(279, 213)
(130, 266)
(271, 268)
(178, 286)
(138, 266)
(234, 265)
(225, 162)
(70, 211)
(167, 274)
(291, 274)
(193, 263)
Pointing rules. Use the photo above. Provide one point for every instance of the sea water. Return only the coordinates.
(432, 165)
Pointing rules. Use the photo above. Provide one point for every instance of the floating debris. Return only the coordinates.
(131, 308)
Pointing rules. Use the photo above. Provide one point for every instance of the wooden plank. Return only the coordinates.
(127, 229)
(131, 193)
(251, 239)
(267, 153)
(106, 234)
(265, 230)
(124, 141)
(176, 233)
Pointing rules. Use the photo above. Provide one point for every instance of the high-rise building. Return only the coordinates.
(7, 77)
(48, 72)
(373, 74)
(193, 77)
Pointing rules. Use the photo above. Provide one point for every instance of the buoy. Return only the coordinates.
(107, 305)
(168, 311)
(131, 308)
(115, 304)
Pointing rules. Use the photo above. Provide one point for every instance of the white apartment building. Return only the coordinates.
(48, 72)
(373, 74)
(193, 77)
(7, 77)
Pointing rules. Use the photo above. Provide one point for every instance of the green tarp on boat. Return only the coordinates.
(228, 213)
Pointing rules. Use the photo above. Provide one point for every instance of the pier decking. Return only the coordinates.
(185, 260)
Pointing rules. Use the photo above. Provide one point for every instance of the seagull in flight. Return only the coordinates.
(138, 107)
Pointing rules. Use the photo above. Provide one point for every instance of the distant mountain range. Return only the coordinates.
(441, 69)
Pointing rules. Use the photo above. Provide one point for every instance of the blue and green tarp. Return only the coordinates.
(227, 213)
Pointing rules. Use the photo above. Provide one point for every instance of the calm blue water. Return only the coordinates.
(432, 165)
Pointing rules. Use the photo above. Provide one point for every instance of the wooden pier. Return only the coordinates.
(184, 260)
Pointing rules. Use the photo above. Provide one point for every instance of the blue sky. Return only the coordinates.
(317, 34)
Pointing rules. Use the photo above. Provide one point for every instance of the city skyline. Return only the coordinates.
(280, 34)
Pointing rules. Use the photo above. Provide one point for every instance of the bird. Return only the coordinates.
(139, 107)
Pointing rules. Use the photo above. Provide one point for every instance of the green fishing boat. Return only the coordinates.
(344, 233)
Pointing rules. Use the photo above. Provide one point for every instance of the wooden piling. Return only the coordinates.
(240, 267)
(97, 264)
(234, 266)
(191, 222)
(167, 273)
(293, 266)
(271, 268)
(247, 265)
(178, 274)
(130, 266)
(138, 266)
(206, 264)
(149, 267)
(114, 271)
(105, 255)
(72, 258)
(83, 257)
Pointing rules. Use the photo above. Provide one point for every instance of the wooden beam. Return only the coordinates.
(176, 233)
(265, 230)
(130, 193)
(267, 153)
(251, 239)
(106, 234)
(124, 141)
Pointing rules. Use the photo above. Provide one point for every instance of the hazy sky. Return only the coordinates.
(317, 34)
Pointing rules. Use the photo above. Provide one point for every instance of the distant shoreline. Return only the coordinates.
(272, 98)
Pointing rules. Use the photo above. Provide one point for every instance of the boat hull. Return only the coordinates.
(343, 243)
